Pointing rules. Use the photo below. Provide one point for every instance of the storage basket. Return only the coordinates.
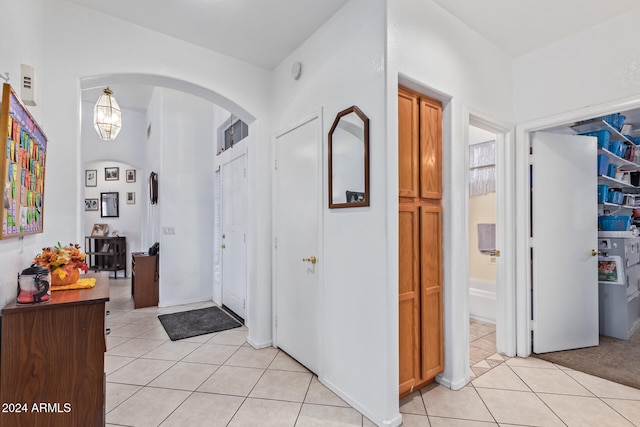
(614, 223)
(613, 170)
(603, 192)
(615, 197)
(603, 164)
(617, 147)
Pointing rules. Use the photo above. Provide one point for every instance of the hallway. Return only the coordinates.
(219, 380)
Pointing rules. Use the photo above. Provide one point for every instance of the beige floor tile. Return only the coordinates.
(501, 377)
(485, 344)
(464, 403)
(171, 350)
(366, 422)
(479, 371)
(584, 411)
(452, 422)
(493, 362)
(413, 404)
(155, 333)
(284, 362)
(412, 420)
(630, 409)
(477, 354)
(131, 330)
(230, 337)
(214, 354)
(204, 409)
(542, 380)
(140, 371)
(282, 385)
(138, 317)
(184, 376)
(482, 364)
(148, 407)
(530, 362)
(605, 388)
(328, 416)
(232, 380)
(113, 341)
(200, 338)
(319, 394)
(271, 413)
(135, 347)
(518, 407)
(249, 357)
(113, 363)
(118, 393)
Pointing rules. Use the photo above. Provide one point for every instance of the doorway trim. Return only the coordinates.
(522, 205)
(505, 235)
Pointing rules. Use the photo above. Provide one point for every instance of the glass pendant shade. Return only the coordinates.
(107, 118)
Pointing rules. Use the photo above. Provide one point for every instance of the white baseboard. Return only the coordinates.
(482, 300)
(394, 422)
(259, 345)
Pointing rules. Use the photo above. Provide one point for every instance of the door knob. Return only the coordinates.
(496, 253)
(223, 246)
(594, 252)
(312, 260)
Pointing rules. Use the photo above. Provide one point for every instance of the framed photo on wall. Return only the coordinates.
(111, 174)
(99, 230)
(131, 198)
(91, 178)
(131, 175)
(91, 204)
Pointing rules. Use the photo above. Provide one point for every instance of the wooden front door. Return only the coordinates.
(420, 247)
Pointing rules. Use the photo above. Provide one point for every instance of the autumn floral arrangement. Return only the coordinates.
(63, 261)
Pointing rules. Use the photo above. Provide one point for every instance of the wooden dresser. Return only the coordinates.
(52, 359)
(144, 280)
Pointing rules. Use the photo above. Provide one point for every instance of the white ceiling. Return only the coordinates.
(520, 26)
(264, 32)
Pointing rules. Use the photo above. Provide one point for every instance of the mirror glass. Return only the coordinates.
(108, 205)
(348, 160)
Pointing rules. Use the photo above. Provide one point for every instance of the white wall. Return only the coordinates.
(22, 47)
(343, 65)
(185, 198)
(434, 52)
(596, 66)
(126, 152)
(75, 40)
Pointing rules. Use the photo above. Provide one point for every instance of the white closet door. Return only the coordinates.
(565, 232)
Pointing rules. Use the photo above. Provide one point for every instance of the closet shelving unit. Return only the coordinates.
(618, 306)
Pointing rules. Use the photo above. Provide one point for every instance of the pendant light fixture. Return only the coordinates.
(107, 118)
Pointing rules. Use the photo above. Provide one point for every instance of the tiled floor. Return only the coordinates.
(219, 380)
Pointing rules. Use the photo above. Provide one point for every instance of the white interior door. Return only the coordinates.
(565, 231)
(296, 221)
(234, 245)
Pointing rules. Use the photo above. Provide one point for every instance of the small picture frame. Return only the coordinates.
(91, 178)
(112, 174)
(131, 175)
(99, 230)
(611, 270)
(131, 198)
(91, 204)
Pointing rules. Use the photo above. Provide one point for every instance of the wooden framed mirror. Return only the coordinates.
(109, 205)
(349, 159)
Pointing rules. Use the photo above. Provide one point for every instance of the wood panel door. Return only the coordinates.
(421, 344)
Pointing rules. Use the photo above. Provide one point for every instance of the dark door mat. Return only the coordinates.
(192, 323)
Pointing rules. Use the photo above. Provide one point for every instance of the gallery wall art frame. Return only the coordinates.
(91, 204)
(91, 178)
(23, 150)
(112, 174)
